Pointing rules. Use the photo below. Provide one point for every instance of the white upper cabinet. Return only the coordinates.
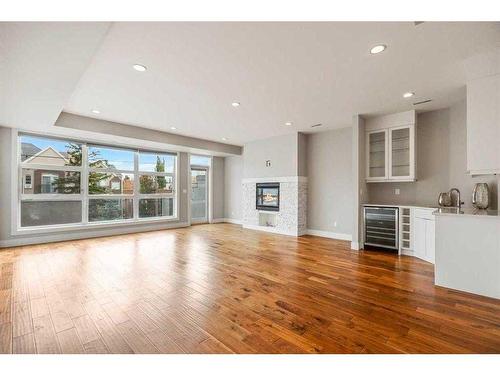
(483, 125)
(377, 155)
(390, 147)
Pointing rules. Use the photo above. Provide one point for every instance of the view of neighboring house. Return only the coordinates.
(40, 181)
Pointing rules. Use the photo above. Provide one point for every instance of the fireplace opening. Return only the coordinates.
(268, 196)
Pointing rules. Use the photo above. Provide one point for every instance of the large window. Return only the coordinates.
(66, 183)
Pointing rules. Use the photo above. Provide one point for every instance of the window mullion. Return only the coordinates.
(136, 185)
(84, 187)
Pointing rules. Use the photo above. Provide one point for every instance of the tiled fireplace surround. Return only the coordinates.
(292, 216)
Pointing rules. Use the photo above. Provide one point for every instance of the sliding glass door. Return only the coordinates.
(199, 195)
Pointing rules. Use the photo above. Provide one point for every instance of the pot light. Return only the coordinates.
(377, 49)
(173, 128)
(288, 123)
(224, 138)
(139, 67)
(235, 104)
(96, 111)
(407, 95)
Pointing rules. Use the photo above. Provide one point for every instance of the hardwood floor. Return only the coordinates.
(222, 289)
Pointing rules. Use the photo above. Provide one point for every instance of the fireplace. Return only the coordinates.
(268, 196)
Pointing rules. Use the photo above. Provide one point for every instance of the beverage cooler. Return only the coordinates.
(381, 226)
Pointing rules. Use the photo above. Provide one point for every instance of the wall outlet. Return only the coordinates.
(397, 191)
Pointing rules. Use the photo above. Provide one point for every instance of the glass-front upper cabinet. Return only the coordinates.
(401, 157)
(377, 155)
(390, 147)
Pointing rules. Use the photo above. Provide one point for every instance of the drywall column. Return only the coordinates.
(358, 179)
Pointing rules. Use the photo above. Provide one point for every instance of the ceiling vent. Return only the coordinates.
(423, 102)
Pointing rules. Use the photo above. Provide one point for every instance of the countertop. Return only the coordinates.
(429, 207)
(446, 211)
(452, 211)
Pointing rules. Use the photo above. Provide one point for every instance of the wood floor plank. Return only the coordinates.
(6, 338)
(136, 339)
(86, 329)
(224, 289)
(24, 344)
(45, 336)
(70, 342)
(5, 306)
(22, 323)
(111, 337)
(95, 347)
(39, 307)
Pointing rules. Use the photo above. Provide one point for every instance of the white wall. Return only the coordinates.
(329, 166)
(233, 197)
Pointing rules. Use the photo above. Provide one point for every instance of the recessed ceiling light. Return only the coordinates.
(139, 67)
(96, 111)
(407, 95)
(378, 48)
(224, 138)
(173, 128)
(235, 104)
(288, 123)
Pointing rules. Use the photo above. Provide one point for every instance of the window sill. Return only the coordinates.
(92, 226)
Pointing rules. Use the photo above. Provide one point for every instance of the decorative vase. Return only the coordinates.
(481, 195)
(444, 199)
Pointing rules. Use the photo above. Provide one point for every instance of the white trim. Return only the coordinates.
(355, 246)
(232, 221)
(270, 230)
(328, 234)
(479, 172)
(274, 179)
(135, 228)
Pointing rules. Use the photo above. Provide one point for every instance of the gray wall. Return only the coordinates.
(233, 197)
(218, 187)
(329, 195)
(441, 162)
(5, 202)
(71, 121)
(359, 187)
(282, 151)
(302, 154)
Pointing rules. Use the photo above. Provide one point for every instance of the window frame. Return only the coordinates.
(18, 195)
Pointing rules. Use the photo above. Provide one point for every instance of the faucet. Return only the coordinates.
(459, 202)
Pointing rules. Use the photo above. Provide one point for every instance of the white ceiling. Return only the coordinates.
(307, 73)
(40, 65)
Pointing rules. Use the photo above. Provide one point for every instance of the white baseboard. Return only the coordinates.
(64, 236)
(327, 234)
(232, 221)
(270, 230)
(355, 246)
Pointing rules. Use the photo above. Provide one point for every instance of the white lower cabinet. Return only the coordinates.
(424, 234)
